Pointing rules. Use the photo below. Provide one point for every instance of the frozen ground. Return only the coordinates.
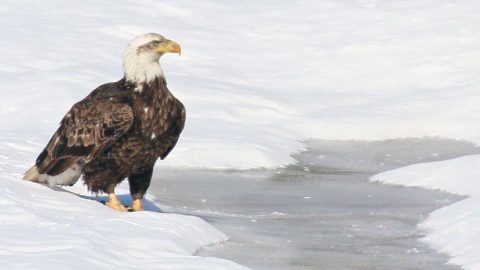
(259, 77)
(321, 213)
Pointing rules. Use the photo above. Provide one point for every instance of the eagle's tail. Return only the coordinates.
(32, 174)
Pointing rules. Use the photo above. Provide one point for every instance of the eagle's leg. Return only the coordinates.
(113, 201)
(139, 184)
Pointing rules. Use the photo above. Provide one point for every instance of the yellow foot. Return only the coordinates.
(115, 204)
(137, 205)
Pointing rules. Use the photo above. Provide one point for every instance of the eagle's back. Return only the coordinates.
(159, 119)
(90, 126)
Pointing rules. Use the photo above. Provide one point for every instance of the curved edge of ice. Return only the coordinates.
(454, 229)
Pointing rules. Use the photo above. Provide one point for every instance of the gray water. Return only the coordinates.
(321, 213)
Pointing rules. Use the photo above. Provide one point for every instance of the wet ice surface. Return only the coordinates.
(321, 213)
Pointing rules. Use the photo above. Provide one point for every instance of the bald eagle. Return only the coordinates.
(119, 130)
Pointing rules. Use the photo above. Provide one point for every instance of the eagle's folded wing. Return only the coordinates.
(89, 128)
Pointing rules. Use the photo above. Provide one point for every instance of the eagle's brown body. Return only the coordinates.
(115, 133)
(119, 130)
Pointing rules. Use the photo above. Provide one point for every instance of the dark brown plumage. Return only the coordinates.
(118, 131)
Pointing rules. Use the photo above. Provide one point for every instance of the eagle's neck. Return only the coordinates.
(141, 69)
(152, 91)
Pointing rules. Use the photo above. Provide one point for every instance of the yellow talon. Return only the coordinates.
(137, 205)
(115, 204)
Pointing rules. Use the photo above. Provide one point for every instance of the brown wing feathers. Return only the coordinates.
(87, 129)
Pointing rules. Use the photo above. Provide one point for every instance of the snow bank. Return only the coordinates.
(459, 175)
(41, 228)
(454, 229)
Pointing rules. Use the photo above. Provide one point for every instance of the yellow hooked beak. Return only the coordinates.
(169, 46)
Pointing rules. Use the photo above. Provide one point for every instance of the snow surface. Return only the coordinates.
(41, 228)
(256, 78)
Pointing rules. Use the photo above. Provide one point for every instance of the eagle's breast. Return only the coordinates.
(159, 117)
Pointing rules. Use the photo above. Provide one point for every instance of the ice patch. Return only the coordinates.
(453, 229)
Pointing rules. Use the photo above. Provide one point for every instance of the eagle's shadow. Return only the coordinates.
(126, 200)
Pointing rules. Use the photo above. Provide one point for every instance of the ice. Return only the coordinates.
(328, 217)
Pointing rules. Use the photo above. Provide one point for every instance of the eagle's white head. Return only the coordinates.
(140, 61)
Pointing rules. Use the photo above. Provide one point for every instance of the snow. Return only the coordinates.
(40, 227)
(256, 78)
(453, 229)
(458, 175)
